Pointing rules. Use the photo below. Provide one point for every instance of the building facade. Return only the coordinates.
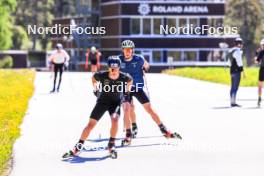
(153, 25)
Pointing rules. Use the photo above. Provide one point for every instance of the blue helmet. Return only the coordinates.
(113, 62)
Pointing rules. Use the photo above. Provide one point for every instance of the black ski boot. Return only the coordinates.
(128, 138)
(134, 130)
(259, 101)
(111, 148)
(75, 151)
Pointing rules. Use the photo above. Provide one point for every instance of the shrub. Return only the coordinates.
(6, 62)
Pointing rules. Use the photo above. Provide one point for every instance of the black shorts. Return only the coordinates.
(58, 68)
(93, 61)
(261, 74)
(140, 95)
(101, 107)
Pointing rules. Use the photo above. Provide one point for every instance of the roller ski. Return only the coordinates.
(68, 155)
(111, 148)
(169, 134)
(126, 142)
(73, 153)
(112, 153)
(174, 135)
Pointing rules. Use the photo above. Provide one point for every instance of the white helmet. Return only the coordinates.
(128, 44)
(59, 46)
(93, 49)
(262, 42)
(239, 40)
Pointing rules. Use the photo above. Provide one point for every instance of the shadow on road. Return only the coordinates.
(104, 148)
(228, 107)
(79, 159)
(254, 107)
(247, 99)
(224, 107)
(118, 139)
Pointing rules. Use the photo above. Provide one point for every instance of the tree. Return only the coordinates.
(262, 27)
(6, 8)
(246, 15)
(20, 38)
(35, 12)
(64, 8)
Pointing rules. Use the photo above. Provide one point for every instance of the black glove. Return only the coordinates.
(95, 93)
(127, 97)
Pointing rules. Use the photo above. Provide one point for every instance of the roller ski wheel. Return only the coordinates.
(175, 135)
(126, 142)
(113, 153)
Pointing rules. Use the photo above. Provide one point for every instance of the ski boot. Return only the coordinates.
(52, 91)
(112, 152)
(166, 133)
(126, 141)
(128, 138)
(172, 135)
(134, 131)
(235, 105)
(73, 153)
(259, 101)
(111, 148)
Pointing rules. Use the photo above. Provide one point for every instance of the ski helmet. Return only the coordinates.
(59, 46)
(262, 42)
(93, 49)
(113, 62)
(238, 40)
(128, 44)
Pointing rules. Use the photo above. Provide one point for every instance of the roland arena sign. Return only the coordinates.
(173, 9)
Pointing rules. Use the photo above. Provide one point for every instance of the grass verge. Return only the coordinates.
(16, 88)
(215, 74)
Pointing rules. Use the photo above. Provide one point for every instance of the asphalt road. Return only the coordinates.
(217, 140)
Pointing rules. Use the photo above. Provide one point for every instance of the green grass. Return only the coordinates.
(215, 74)
(16, 87)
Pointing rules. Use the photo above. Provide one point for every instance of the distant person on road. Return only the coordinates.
(260, 60)
(135, 65)
(93, 56)
(109, 98)
(235, 56)
(60, 61)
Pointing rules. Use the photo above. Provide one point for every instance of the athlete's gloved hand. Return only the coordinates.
(66, 65)
(127, 97)
(95, 93)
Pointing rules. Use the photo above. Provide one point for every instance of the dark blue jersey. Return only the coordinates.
(134, 67)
